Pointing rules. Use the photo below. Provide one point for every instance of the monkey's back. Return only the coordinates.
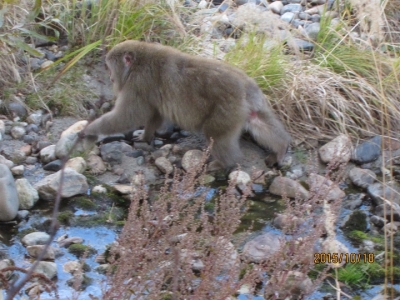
(188, 85)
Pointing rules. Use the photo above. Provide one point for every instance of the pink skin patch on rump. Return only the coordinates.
(253, 114)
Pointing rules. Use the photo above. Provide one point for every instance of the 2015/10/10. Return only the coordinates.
(335, 258)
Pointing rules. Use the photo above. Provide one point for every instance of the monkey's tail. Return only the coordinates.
(269, 133)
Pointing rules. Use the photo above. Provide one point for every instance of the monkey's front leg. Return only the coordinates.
(115, 121)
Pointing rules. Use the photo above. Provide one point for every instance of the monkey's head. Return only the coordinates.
(120, 61)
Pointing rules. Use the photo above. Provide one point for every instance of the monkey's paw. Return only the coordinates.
(81, 134)
(138, 135)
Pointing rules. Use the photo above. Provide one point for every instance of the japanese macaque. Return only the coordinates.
(154, 83)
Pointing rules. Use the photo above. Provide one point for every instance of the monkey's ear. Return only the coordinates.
(128, 59)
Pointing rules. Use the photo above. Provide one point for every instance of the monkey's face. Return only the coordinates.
(110, 73)
(118, 67)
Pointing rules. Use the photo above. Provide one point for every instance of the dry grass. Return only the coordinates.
(320, 103)
(163, 238)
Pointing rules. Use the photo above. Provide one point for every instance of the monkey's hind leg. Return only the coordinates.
(226, 149)
(269, 133)
(153, 123)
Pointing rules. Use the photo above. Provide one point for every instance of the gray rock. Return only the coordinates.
(17, 156)
(318, 2)
(164, 165)
(9, 201)
(35, 238)
(262, 247)
(35, 63)
(304, 16)
(315, 18)
(22, 215)
(54, 166)
(353, 201)
(17, 108)
(5, 263)
(135, 153)
(27, 195)
(288, 17)
(378, 221)
(2, 127)
(296, 23)
(32, 128)
(72, 267)
(35, 118)
(292, 285)
(160, 153)
(380, 192)
(312, 30)
(338, 150)
(362, 177)
(69, 241)
(29, 139)
(35, 250)
(31, 160)
(48, 269)
(111, 153)
(73, 184)
(283, 186)
(386, 210)
(140, 160)
(368, 151)
(48, 154)
(325, 188)
(287, 221)
(42, 144)
(18, 132)
(303, 45)
(293, 7)
(95, 164)
(5, 161)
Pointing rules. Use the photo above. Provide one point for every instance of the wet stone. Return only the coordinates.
(367, 151)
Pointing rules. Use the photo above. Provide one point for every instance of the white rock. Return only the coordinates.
(326, 189)
(27, 195)
(338, 150)
(283, 186)
(35, 250)
(240, 177)
(9, 202)
(73, 184)
(191, 159)
(18, 170)
(99, 189)
(18, 132)
(276, 7)
(48, 269)
(77, 163)
(35, 238)
(68, 138)
(164, 165)
(48, 154)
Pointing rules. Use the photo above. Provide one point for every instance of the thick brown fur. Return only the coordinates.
(155, 83)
